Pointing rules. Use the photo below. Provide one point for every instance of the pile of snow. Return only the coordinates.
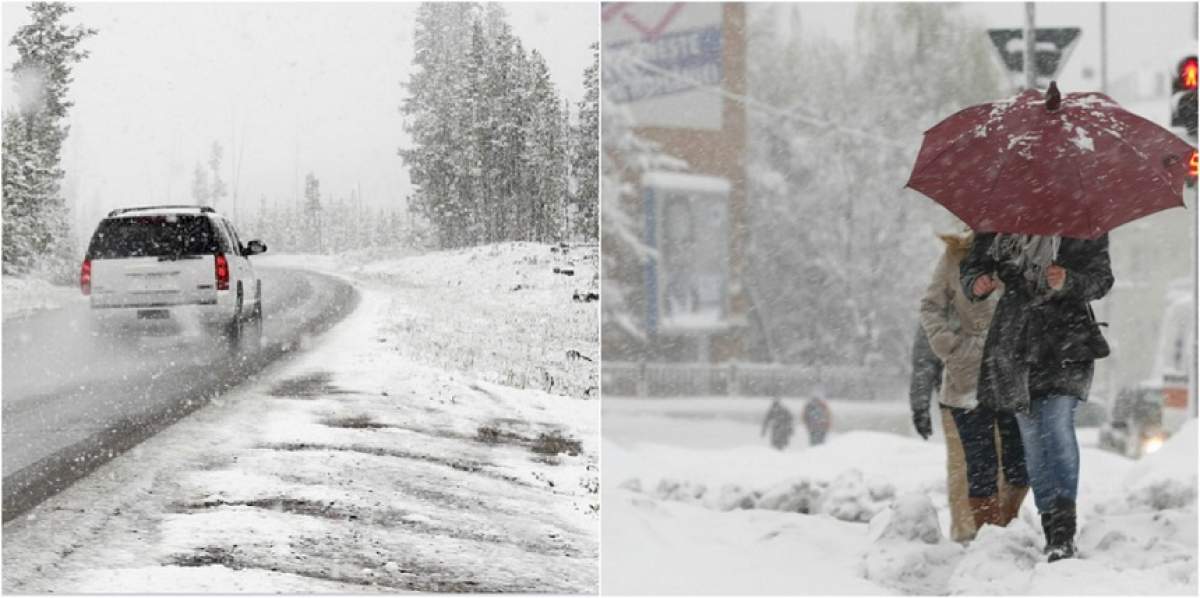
(23, 296)
(908, 551)
(1001, 560)
(1165, 479)
(849, 496)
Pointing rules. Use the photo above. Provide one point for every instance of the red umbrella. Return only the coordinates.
(1077, 166)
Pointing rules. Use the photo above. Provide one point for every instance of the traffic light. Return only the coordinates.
(1191, 178)
(1183, 96)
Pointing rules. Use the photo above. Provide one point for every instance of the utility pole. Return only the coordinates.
(1030, 47)
(1103, 47)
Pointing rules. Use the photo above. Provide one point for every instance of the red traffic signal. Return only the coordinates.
(1185, 78)
(1192, 165)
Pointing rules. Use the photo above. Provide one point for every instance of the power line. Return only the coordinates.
(762, 106)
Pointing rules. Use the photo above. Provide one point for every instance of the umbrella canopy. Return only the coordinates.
(1076, 166)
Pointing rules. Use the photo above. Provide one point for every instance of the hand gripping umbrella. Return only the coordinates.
(1076, 167)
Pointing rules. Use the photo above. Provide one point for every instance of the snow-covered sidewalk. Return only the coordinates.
(866, 513)
(439, 439)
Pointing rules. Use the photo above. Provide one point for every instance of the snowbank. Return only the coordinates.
(526, 305)
(23, 296)
(793, 521)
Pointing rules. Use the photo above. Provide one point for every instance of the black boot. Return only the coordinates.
(1062, 521)
(1050, 530)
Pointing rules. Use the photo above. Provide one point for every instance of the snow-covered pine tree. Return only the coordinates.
(443, 30)
(201, 190)
(585, 162)
(313, 230)
(262, 223)
(380, 238)
(489, 158)
(26, 185)
(474, 120)
(216, 187)
(47, 50)
(564, 226)
(508, 87)
(545, 145)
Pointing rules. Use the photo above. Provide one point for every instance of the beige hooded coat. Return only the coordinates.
(956, 326)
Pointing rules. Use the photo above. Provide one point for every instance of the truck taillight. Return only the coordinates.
(222, 272)
(85, 277)
(1175, 397)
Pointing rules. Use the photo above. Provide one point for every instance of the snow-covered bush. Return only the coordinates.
(632, 485)
(679, 490)
(796, 496)
(730, 497)
(851, 497)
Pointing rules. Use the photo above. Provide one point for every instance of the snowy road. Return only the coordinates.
(442, 437)
(72, 401)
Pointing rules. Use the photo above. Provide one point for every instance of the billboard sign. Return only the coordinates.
(687, 222)
(664, 60)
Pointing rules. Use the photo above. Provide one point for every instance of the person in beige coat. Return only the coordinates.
(986, 477)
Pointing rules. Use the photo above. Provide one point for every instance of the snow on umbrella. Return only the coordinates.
(1076, 166)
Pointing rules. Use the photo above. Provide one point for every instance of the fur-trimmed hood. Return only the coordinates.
(958, 244)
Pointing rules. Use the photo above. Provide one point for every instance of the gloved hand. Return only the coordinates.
(922, 423)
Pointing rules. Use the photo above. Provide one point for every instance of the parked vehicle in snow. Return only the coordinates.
(157, 262)
(1143, 417)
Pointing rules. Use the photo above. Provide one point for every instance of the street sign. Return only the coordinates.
(1052, 49)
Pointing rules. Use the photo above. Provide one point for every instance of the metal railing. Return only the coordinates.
(868, 383)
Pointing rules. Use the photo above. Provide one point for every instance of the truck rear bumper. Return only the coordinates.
(216, 311)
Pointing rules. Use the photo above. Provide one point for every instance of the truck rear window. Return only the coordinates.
(153, 236)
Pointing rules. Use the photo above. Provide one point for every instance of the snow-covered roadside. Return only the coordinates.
(365, 464)
(23, 296)
(866, 513)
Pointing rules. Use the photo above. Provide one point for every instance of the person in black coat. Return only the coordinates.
(779, 422)
(1039, 354)
(926, 382)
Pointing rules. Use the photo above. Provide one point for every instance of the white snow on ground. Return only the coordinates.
(23, 296)
(387, 457)
(865, 513)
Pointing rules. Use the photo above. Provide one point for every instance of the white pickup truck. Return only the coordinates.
(160, 262)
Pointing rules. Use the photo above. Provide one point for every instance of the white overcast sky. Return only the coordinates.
(316, 86)
(303, 87)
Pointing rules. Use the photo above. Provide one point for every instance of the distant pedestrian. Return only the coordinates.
(986, 480)
(1039, 356)
(817, 420)
(779, 422)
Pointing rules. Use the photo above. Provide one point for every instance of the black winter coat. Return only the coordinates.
(1039, 348)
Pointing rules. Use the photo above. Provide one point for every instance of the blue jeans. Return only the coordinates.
(1051, 450)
